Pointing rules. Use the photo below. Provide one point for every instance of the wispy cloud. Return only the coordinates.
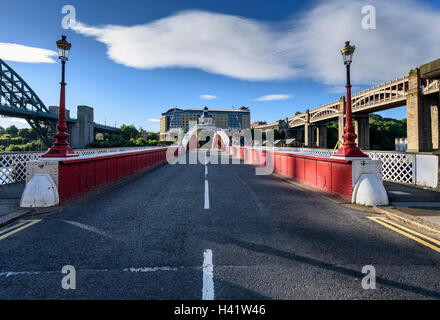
(274, 97)
(20, 53)
(305, 46)
(154, 120)
(207, 97)
(217, 43)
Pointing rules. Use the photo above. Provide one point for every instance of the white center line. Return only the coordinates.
(206, 170)
(208, 276)
(206, 195)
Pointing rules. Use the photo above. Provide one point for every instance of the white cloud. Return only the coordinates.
(274, 97)
(18, 122)
(217, 43)
(305, 46)
(400, 42)
(208, 97)
(154, 120)
(20, 53)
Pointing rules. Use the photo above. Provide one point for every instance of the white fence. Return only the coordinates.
(13, 165)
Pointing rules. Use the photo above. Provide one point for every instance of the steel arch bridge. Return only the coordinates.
(19, 100)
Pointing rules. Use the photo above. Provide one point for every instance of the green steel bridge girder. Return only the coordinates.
(17, 99)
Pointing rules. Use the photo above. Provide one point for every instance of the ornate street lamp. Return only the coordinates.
(61, 148)
(349, 149)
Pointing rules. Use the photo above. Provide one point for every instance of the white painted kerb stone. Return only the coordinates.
(369, 191)
(368, 187)
(40, 192)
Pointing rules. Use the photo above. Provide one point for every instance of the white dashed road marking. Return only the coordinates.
(131, 270)
(206, 195)
(400, 193)
(208, 276)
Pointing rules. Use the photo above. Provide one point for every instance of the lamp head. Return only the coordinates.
(63, 48)
(347, 53)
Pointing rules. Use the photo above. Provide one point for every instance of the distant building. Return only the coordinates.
(258, 123)
(176, 119)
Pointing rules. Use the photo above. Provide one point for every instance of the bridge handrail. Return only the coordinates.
(380, 86)
(13, 164)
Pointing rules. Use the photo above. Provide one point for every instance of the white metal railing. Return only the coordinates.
(396, 166)
(13, 165)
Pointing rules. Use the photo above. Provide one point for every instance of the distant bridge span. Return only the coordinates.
(419, 91)
(18, 100)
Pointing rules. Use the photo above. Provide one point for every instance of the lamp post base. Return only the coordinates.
(60, 152)
(349, 151)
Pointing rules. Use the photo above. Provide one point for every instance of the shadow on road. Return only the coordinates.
(330, 267)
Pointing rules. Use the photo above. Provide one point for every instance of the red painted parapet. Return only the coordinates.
(80, 176)
(332, 176)
(73, 177)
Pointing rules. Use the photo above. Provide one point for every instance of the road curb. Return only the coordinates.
(395, 214)
(14, 216)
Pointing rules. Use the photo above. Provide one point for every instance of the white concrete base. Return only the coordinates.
(369, 191)
(41, 191)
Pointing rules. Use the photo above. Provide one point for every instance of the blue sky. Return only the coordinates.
(132, 60)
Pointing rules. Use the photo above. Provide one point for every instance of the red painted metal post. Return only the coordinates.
(349, 149)
(61, 148)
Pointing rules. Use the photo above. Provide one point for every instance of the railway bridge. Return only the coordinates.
(418, 91)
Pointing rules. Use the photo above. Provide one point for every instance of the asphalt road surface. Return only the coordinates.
(211, 232)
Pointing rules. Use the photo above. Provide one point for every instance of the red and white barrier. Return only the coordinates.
(359, 181)
(53, 181)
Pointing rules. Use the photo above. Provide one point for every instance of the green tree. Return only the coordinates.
(12, 130)
(152, 136)
(33, 135)
(129, 132)
(25, 133)
(332, 134)
(384, 131)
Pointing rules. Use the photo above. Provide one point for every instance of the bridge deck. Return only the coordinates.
(146, 239)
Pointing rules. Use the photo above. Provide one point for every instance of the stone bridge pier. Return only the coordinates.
(341, 118)
(422, 116)
(315, 135)
(362, 130)
(82, 131)
(321, 136)
(308, 131)
(435, 124)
